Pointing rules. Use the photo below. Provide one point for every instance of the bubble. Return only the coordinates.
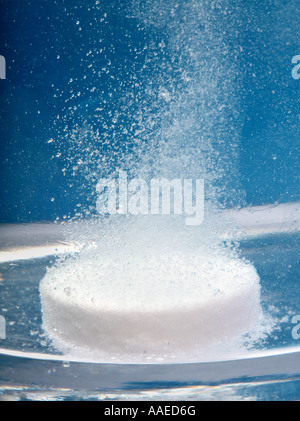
(150, 288)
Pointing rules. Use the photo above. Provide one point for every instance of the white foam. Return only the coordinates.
(149, 291)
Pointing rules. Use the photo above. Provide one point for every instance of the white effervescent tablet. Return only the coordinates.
(148, 292)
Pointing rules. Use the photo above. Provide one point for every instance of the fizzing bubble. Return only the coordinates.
(147, 287)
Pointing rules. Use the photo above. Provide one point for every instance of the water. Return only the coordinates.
(279, 293)
(159, 90)
(267, 369)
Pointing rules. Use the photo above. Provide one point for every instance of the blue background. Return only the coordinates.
(35, 33)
